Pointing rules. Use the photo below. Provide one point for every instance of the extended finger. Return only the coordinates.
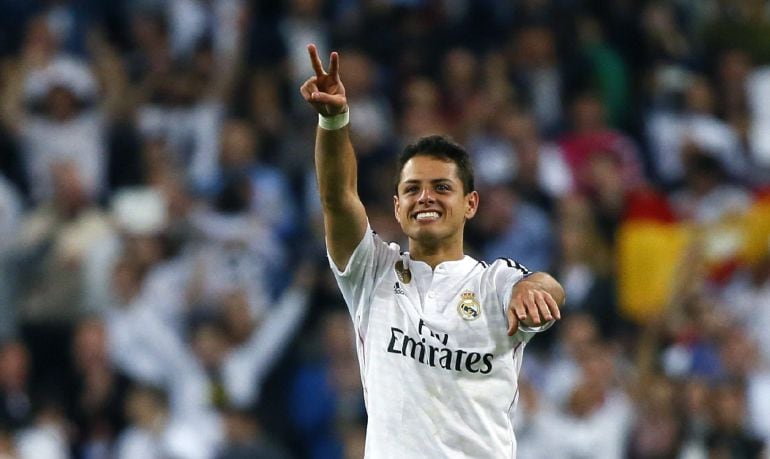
(542, 306)
(518, 308)
(315, 61)
(532, 309)
(553, 306)
(513, 322)
(334, 65)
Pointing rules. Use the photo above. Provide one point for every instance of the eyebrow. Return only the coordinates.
(434, 181)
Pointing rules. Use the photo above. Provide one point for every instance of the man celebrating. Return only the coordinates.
(440, 335)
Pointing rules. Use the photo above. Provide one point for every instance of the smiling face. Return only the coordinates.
(431, 205)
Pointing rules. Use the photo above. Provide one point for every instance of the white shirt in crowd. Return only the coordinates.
(80, 140)
(438, 368)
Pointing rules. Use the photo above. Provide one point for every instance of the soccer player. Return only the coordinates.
(440, 335)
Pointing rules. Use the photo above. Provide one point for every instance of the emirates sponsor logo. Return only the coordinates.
(435, 353)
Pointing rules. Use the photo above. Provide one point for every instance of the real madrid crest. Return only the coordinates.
(469, 308)
(403, 273)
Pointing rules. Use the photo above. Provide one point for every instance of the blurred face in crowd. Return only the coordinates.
(305, 8)
(734, 66)
(39, 38)
(584, 400)
(126, 280)
(696, 398)
(535, 47)
(239, 144)
(358, 73)
(237, 316)
(209, 344)
(602, 176)
(89, 345)
(728, 406)
(499, 210)
(431, 205)
(61, 103)
(579, 335)
(459, 69)
(588, 113)
(241, 427)
(144, 407)
(70, 193)
(14, 366)
(699, 97)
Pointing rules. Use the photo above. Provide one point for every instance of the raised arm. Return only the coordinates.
(335, 161)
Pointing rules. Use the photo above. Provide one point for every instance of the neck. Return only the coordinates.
(435, 254)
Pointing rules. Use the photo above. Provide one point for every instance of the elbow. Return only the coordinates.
(337, 201)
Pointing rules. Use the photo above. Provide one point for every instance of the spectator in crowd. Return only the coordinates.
(508, 224)
(98, 389)
(585, 266)
(728, 436)
(591, 136)
(708, 195)
(672, 133)
(325, 395)
(58, 111)
(240, 156)
(147, 433)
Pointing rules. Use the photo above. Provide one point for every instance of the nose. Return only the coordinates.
(426, 196)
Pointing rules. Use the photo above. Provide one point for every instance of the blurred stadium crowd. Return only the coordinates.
(164, 291)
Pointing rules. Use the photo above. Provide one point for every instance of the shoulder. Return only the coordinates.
(370, 252)
(507, 265)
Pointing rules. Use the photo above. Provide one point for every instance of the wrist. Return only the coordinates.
(334, 122)
(529, 281)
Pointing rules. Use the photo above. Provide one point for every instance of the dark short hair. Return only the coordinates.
(439, 147)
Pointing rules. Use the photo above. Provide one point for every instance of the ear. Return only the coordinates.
(471, 204)
(396, 208)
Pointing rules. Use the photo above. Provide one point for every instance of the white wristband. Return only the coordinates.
(332, 123)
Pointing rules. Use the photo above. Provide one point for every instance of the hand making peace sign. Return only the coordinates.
(325, 91)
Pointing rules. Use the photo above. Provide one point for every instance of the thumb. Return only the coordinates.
(328, 104)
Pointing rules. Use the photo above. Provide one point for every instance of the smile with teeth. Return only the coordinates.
(428, 215)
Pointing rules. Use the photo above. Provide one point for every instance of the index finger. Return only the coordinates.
(315, 61)
(513, 322)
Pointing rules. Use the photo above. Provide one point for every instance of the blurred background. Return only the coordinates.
(164, 290)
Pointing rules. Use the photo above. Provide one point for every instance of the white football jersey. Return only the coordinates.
(438, 368)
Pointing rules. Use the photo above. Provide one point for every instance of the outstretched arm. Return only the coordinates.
(535, 300)
(335, 161)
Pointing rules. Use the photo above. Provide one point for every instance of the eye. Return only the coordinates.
(410, 189)
(443, 187)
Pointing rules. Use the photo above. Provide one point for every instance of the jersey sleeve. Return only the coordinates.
(506, 273)
(369, 262)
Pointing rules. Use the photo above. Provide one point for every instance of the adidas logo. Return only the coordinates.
(398, 290)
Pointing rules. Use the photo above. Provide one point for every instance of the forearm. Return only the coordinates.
(336, 168)
(344, 214)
